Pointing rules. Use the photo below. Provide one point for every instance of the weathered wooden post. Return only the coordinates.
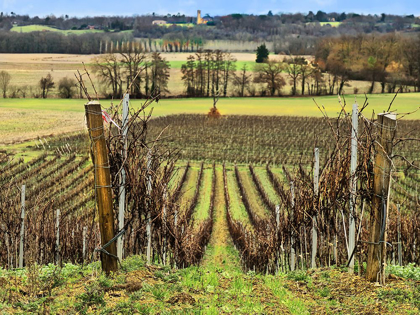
(314, 225)
(22, 227)
(57, 237)
(292, 232)
(103, 189)
(399, 236)
(375, 270)
(121, 201)
(353, 187)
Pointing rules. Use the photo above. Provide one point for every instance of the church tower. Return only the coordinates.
(199, 19)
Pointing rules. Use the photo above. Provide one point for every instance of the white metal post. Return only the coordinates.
(84, 243)
(292, 237)
(121, 204)
(164, 225)
(353, 187)
(399, 236)
(57, 238)
(22, 227)
(149, 217)
(314, 228)
(277, 233)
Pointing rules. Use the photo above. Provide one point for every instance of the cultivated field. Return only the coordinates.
(25, 119)
(230, 195)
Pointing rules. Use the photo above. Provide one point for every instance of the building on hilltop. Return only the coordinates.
(159, 22)
(199, 19)
(203, 20)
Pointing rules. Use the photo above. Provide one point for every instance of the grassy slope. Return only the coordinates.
(188, 189)
(40, 28)
(256, 203)
(24, 119)
(201, 211)
(220, 252)
(269, 189)
(237, 208)
(173, 183)
(297, 106)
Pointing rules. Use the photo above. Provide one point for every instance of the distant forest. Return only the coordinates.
(288, 33)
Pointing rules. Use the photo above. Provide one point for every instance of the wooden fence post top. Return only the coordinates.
(389, 115)
(92, 103)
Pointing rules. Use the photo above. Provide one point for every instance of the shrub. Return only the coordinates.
(66, 87)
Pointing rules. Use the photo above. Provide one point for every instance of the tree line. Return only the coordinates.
(290, 33)
(142, 74)
(391, 60)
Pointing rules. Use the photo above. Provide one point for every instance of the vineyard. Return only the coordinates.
(253, 173)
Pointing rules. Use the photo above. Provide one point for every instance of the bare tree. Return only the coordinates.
(46, 84)
(293, 71)
(5, 78)
(270, 74)
(108, 69)
(242, 81)
(133, 61)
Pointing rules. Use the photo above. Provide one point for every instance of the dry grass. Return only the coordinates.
(20, 125)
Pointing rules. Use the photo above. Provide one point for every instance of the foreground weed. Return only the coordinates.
(93, 295)
(159, 291)
(324, 292)
(408, 272)
(298, 275)
(295, 306)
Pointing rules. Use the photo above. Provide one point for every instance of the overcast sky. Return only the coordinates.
(213, 7)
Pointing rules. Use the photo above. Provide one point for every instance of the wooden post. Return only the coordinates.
(353, 187)
(292, 237)
(149, 215)
(22, 227)
(57, 238)
(399, 236)
(387, 123)
(121, 204)
(314, 229)
(102, 184)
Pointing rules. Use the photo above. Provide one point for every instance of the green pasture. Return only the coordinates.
(279, 106)
(40, 28)
(28, 119)
(178, 24)
(177, 64)
(333, 24)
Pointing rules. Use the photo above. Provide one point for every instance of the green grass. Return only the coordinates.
(175, 179)
(333, 24)
(202, 210)
(188, 189)
(177, 64)
(237, 208)
(255, 201)
(269, 189)
(176, 24)
(280, 106)
(40, 28)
